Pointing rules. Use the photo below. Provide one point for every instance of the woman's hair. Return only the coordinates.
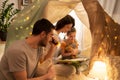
(64, 21)
(42, 25)
(72, 30)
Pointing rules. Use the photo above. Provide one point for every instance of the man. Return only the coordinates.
(21, 58)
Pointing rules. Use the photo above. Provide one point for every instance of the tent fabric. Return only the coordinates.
(57, 9)
(24, 20)
(53, 10)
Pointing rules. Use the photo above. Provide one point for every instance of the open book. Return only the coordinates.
(81, 59)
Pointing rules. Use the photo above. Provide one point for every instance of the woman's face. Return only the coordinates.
(67, 28)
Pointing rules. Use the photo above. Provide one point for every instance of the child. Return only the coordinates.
(69, 47)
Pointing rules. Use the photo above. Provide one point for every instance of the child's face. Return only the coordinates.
(71, 37)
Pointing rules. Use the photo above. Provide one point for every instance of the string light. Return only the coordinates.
(31, 26)
(115, 44)
(108, 36)
(24, 20)
(115, 29)
(16, 28)
(33, 7)
(27, 18)
(102, 35)
(97, 31)
(17, 36)
(100, 48)
(21, 27)
(106, 27)
(115, 37)
(27, 28)
(30, 33)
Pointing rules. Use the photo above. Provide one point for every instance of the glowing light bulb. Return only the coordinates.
(106, 27)
(115, 37)
(115, 44)
(115, 29)
(102, 35)
(27, 28)
(31, 26)
(33, 6)
(21, 27)
(16, 28)
(27, 18)
(100, 49)
(108, 36)
(30, 33)
(17, 36)
(24, 20)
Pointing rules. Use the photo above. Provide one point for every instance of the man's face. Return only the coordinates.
(46, 39)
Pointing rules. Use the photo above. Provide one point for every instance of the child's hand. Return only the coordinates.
(75, 52)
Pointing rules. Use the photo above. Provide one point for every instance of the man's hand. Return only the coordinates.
(51, 73)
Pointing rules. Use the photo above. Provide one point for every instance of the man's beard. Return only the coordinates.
(43, 42)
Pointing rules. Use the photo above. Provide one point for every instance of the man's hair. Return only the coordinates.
(42, 25)
(64, 21)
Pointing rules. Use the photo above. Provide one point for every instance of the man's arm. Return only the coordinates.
(51, 51)
(22, 75)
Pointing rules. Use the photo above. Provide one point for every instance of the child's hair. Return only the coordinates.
(72, 30)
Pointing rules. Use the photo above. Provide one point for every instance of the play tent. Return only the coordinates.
(53, 10)
(105, 32)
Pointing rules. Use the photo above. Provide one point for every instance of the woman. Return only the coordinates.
(63, 25)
